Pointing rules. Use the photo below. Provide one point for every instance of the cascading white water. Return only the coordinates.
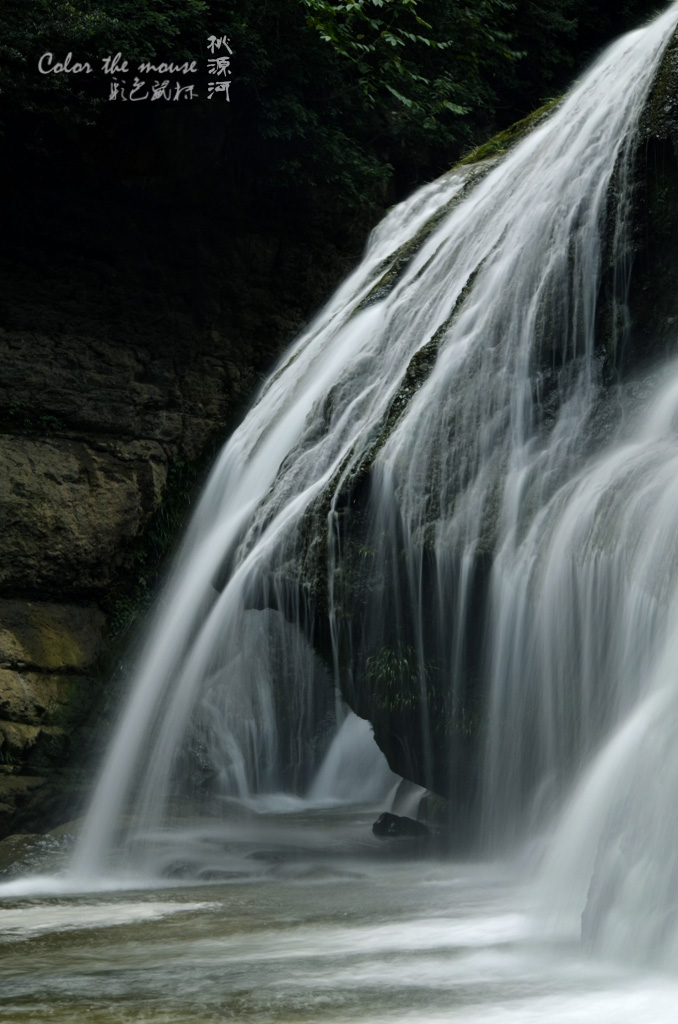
(480, 466)
(206, 664)
(501, 455)
(354, 769)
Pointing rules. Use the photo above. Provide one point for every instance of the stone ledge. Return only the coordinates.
(67, 510)
(36, 699)
(22, 741)
(48, 637)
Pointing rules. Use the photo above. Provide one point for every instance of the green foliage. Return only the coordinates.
(425, 64)
(336, 95)
(45, 424)
(90, 31)
(561, 37)
(397, 678)
(375, 36)
(401, 682)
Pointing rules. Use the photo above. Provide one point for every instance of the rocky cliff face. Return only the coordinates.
(145, 295)
(427, 737)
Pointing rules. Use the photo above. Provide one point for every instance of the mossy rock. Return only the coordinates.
(505, 140)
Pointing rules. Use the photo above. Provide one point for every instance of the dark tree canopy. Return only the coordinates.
(337, 95)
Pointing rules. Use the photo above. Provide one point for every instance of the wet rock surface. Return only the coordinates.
(48, 652)
(390, 825)
(67, 509)
(393, 698)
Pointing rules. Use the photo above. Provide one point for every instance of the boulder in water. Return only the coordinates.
(388, 825)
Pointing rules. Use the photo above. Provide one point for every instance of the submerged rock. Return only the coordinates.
(388, 825)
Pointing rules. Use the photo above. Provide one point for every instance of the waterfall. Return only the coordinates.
(439, 472)
(206, 678)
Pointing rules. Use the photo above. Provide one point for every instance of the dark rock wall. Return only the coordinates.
(147, 290)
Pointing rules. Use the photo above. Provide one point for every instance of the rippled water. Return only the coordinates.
(348, 929)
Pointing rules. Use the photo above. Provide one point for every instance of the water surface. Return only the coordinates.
(347, 929)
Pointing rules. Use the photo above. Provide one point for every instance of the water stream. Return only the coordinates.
(520, 538)
(338, 930)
